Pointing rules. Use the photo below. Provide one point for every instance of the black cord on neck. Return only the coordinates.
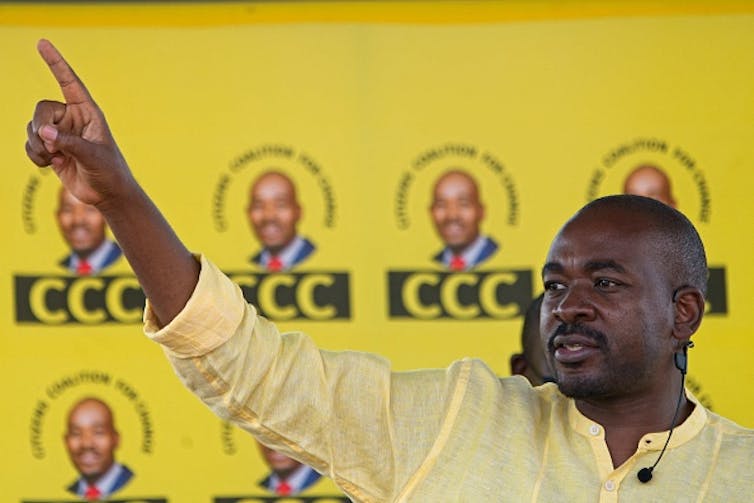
(645, 474)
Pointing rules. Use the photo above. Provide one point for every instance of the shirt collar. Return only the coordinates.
(104, 484)
(682, 433)
(96, 259)
(470, 253)
(296, 480)
(287, 255)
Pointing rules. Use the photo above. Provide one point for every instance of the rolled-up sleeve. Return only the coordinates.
(344, 413)
(211, 316)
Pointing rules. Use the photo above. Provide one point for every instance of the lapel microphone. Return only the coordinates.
(681, 361)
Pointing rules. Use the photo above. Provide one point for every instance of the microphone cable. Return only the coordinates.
(681, 362)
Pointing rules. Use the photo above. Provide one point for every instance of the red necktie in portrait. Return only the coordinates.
(84, 268)
(457, 263)
(283, 489)
(274, 264)
(92, 493)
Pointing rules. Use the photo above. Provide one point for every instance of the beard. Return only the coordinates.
(587, 386)
(611, 376)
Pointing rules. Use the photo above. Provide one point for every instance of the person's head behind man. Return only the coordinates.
(650, 181)
(273, 210)
(532, 361)
(81, 225)
(456, 209)
(91, 438)
(624, 282)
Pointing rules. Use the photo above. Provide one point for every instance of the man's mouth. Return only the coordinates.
(80, 233)
(276, 456)
(270, 230)
(452, 229)
(574, 348)
(88, 457)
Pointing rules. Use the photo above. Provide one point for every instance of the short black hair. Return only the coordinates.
(679, 243)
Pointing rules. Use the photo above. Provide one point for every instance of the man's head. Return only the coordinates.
(649, 181)
(532, 362)
(273, 210)
(624, 289)
(82, 225)
(280, 464)
(456, 209)
(91, 438)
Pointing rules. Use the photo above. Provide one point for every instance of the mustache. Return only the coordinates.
(576, 328)
(82, 450)
(81, 226)
(451, 221)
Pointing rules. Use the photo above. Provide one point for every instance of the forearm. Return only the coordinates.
(164, 267)
(74, 139)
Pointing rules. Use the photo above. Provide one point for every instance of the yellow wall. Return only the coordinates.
(548, 104)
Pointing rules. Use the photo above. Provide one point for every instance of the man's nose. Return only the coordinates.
(575, 305)
(269, 213)
(87, 440)
(451, 212)
(79, 216)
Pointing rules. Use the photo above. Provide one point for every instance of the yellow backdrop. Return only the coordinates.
(363, 106)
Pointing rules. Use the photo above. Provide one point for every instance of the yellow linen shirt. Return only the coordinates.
(455, 434)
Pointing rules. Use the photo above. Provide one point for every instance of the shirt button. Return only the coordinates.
(610, 485)
(594, 429)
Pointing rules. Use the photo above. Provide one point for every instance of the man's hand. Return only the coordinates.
(73, 137)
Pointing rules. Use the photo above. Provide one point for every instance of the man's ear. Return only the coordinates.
(689, 309)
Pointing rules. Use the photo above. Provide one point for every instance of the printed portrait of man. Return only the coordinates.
(287, 477)
(274, 212)
(83, 229)
(650, 181)
(457, 213)
(91, 440)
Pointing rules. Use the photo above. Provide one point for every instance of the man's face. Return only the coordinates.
(82, 225)
(273, 211)
(456, 211)
(607, 313)
(278, 463)
(649, 182)
(91, 439)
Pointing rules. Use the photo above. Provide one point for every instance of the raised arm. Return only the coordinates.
(74, 139)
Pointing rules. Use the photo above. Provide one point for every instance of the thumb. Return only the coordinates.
(57, 141)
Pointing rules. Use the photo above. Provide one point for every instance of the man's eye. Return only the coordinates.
(605, 283)
(553, 286)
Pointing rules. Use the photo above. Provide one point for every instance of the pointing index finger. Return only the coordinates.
(73, 89)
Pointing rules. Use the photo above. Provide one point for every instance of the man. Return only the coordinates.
(624, 282)
(273, 213)
(457, 212)
(288, 476)
(83, 228)
(649, 181)
(91, 440)
(532, 361)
